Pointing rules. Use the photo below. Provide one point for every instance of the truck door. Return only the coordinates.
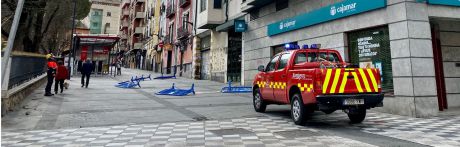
(280, 78)
(267, 90)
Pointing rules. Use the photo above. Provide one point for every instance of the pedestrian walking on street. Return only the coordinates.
(118, 68)
(61, 75)
(86, 70)
(50, 73)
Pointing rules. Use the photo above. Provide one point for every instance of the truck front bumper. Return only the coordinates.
(337, 101)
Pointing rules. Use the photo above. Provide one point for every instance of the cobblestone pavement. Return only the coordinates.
(268, 130)
(103, 115)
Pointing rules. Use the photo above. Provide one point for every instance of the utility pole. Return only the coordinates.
(9, 46)
(72, 44)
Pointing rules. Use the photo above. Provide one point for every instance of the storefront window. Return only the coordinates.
(371, 49)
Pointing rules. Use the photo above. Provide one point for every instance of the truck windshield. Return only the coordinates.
(331, 57)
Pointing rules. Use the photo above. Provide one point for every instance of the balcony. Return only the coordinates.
(140, 15)
(140, 1)
(139, 30)
(254, 4)
(182, 33)
(184, 3)
(170, 11)
(138, 46)
(125, 3)
(167, 39)
(124, 36)
(210, 18)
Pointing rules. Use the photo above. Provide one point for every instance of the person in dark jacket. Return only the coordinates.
(50, 73)
(86, 70)
(61, 75)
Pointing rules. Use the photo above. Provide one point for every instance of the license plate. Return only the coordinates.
(353, 102)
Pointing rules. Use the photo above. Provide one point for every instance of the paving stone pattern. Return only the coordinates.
(259, 131)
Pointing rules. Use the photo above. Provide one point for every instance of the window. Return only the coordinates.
(281, 4)
(203, 5)
(107, 24)
(311, 57)
(300, 58)
(283, 61)
(109, 14)
(333, 57)
(95, 24)
(271, 65)
(217, 4)
(184, 21)
(171, 32)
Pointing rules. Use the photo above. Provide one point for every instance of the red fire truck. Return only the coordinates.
(312, 79)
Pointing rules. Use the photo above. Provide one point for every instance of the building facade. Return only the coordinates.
(218, 48)
(151, 35)
(177, 49)
(132, 33)
(411, 42)
(103, 17)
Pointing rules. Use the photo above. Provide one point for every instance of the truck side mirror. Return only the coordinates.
(261, 68)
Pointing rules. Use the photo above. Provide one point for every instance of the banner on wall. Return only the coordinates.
(84, 53)
(324, 14)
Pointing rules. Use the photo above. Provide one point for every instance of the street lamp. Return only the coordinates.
(72, 44)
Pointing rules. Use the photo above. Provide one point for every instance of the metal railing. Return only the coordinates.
(182, 33)
(183, 3)
(167, 39)
(25, 67)
(170, 11)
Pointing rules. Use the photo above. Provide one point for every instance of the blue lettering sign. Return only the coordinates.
(331, 12)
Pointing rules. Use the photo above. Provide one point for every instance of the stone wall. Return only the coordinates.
(17, 94)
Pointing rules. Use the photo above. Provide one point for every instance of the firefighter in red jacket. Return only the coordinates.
(61, 74)
(50, 73)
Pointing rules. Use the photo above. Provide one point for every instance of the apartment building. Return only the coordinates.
(132, 32)
(413, 43)
(103, 17)
(218, 46)
(177, 52)
(152, 36)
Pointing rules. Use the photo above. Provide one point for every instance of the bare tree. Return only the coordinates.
(44, 24)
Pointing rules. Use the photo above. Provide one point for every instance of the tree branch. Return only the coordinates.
(50, 20)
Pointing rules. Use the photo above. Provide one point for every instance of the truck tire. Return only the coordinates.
(357, 115)
(258, 102)
(298, 109)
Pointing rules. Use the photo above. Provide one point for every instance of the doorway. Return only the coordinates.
(234, 56)
(168, 63)
(445, 34)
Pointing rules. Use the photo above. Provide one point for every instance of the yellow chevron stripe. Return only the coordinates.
(326, 81)
(374, 82)
(358, 85)
(366, 83)
(344, 82)
(336, 80)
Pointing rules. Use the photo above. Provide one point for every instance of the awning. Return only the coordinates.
(97, 40)
(227, 25)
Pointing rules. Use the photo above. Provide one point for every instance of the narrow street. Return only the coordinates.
(104, 115)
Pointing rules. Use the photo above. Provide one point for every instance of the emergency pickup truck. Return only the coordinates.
(312, 79)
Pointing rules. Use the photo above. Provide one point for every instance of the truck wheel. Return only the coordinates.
(258, 102)
(298, 109)
(357, 115)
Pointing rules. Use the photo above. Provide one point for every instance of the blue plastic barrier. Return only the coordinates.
(173, 91)
(129, 84)
(165, 77)
(236, 89)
